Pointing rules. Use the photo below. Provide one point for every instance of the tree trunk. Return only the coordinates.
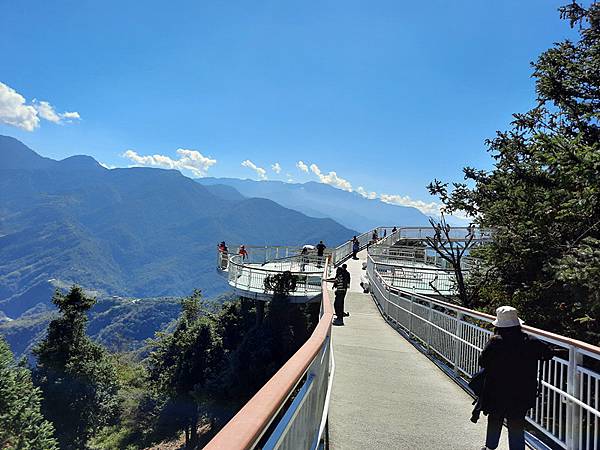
(194, 429)
(260, 311)
(462, 289)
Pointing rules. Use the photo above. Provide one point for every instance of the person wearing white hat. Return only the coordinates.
(509, 360)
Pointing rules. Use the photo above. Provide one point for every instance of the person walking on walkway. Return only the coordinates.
(340, 286)
(320, 252)
(355, 247)
(509, 361)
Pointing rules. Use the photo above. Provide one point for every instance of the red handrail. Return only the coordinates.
(248, 425)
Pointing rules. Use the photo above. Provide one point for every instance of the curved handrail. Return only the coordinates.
(454, 336)
(234, 258)
(250, 423)
(489, 318)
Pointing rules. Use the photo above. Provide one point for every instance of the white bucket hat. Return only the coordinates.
(506, 316)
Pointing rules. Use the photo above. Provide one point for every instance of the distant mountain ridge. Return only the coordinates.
(321, 200)
(137, 232)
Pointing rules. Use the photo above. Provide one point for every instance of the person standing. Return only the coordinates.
(303, 259)
(340, 286)
(320, 252)
(355, 247)
(243, 252)
(509, 361)
(375, 236)
(347, 283)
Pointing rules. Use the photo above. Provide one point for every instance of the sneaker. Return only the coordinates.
(338, 322)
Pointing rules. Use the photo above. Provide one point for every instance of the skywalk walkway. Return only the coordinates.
(364, 385)
(386, 393)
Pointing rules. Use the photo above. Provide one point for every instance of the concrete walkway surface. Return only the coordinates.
(388, 395)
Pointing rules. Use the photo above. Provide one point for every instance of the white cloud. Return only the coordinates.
(46, 111)
(15, 111)
(431, 208)
(276, 168)
(370, 195)
(190, 160)
(331, 178)
(262, 173)
(303, 167)
(289, 178)
(71, 115)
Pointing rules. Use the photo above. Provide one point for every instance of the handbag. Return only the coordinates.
(477, 382)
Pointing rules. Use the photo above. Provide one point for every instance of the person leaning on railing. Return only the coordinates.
(341, 282)
(510, 386)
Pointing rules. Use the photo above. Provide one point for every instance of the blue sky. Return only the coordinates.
(386, 94)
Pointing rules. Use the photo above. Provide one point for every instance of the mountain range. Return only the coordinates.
(321, 200)
(131, 232)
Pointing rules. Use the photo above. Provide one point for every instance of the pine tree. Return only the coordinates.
(22, 425)
(543, 194)
(181, 368)
(76, 376)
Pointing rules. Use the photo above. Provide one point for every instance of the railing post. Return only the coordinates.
(573, 410)
(410, 318)
(457, 346)
(429, 326)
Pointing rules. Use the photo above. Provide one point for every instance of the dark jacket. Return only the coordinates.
(510, 362)
(347, 278)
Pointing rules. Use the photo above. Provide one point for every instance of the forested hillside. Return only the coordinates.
(136, 232)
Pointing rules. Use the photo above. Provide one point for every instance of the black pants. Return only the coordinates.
(338, 303)
(516, 432)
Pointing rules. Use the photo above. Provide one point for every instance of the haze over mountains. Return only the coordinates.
(321, 200)
(138, 232)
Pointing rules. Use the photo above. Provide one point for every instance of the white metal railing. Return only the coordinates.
(248, 277)
(257, 254)
(303, 424)
(291, 410)
(343, 251)
(418, 278)
(456, 233)
(567, 410)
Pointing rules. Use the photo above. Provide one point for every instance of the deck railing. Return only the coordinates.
(290, 411)
(567, 410)
(247, 277)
